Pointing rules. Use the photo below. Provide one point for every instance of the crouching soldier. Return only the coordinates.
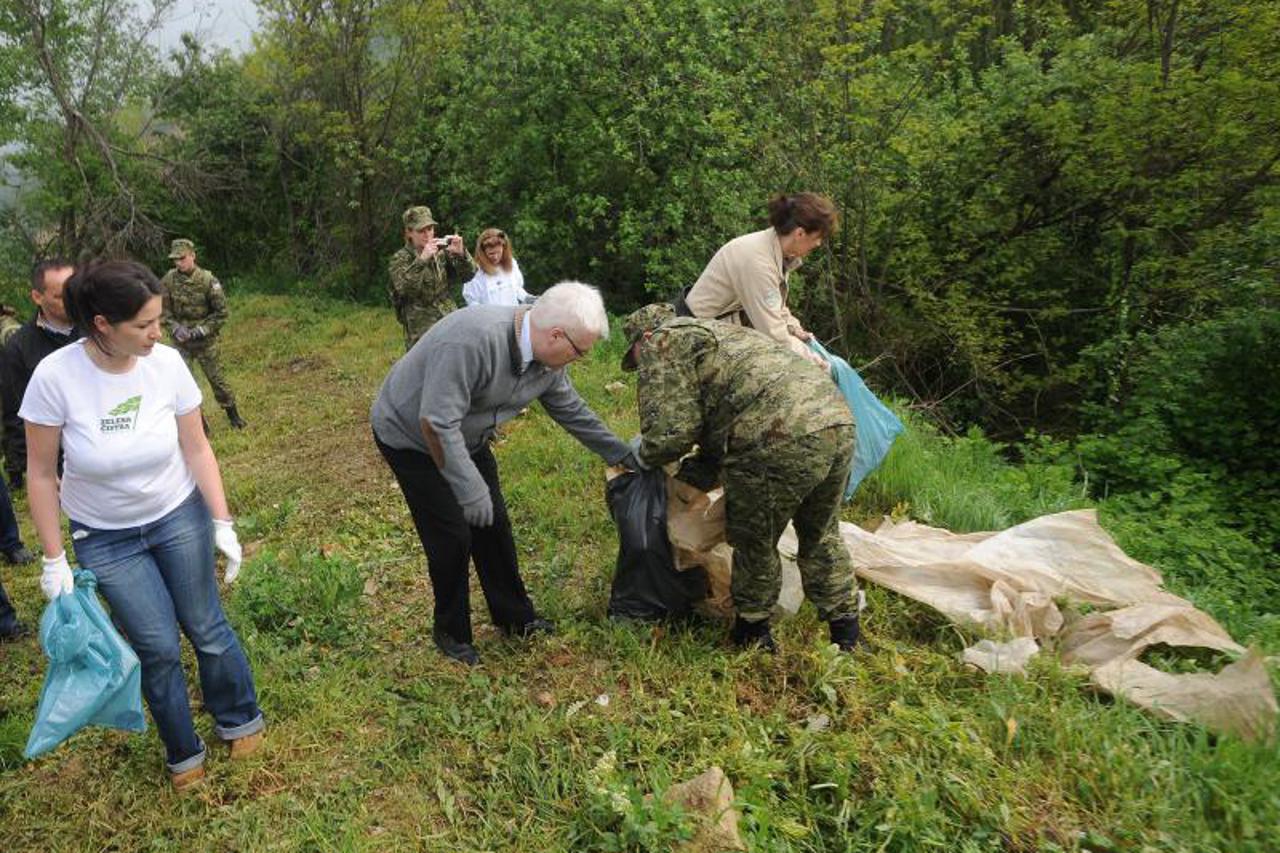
(194, 310)
(774, 430)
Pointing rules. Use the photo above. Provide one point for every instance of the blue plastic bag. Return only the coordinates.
(877, 425)
(94, 677)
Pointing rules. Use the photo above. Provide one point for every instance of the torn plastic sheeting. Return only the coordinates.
(1007, 582)
(1238, 699)
(1100, 638)
(1009, 658)
(930, 566)
(695, 526)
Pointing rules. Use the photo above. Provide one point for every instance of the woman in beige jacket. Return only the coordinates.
(746, 281)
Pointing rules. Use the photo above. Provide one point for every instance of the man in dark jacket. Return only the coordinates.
(49, 330)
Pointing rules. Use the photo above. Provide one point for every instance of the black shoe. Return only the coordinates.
(18, 556)
(746, 634)
(234, 416)
(19, 631)
(530, 629)
(845, 632)
(456, 649)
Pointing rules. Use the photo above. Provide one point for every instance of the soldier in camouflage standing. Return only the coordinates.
(194, 310)
(424, 273)
(771, 427)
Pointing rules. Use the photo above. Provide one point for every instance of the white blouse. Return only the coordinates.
(497, 288)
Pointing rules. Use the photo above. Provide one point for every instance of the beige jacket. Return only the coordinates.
(748, 276)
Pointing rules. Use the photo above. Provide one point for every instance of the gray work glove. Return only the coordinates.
(199, 333)
(632, 460)
(479, 512)
(181, 333)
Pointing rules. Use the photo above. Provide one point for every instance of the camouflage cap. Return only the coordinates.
(181, 247)
(418, 217)
(643, 320)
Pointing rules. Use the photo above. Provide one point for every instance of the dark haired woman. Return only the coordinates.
(746, 281)
(498, 281)
(144, 496)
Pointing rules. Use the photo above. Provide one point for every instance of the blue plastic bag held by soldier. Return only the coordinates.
(93, 677)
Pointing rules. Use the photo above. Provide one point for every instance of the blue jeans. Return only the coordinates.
(157, 578)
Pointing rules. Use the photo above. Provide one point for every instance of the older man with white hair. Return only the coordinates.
(433, 421)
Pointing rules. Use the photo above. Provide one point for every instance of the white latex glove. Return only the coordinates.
(56, 579)
(479, 513)
(225, 540)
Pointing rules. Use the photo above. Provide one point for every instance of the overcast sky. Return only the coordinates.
(217, 23)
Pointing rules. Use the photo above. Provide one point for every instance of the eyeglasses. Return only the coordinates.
(580, 353)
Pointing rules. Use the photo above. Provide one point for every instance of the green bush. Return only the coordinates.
(1188, 465)
(965, 483)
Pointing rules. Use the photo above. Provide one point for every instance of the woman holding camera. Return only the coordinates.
(144, 496)
(498, 281)
(746, 280)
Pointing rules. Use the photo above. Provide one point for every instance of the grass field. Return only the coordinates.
(376, 742)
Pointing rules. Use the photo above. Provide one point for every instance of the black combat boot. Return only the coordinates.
(454, 648)
(234, 416)
(747, 634)
(845, 632)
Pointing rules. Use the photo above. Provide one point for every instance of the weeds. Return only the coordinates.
(375, 742)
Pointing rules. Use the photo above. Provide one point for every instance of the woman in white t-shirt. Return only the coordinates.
(498, 280)
(143, 493)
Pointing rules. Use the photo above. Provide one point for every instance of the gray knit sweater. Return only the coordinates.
(464, 378)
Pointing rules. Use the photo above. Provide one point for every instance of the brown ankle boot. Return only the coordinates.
(243, 747)
(187, 778)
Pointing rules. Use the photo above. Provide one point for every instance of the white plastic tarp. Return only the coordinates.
(1007, 583)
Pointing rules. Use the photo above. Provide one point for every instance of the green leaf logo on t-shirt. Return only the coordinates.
(123, 417)
(130, 405)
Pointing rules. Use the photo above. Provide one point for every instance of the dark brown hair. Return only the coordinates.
(114, 290)
(47, 265)
(809, 211)
(493, 234)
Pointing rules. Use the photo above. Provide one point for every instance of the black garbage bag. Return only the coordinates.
(646, 584)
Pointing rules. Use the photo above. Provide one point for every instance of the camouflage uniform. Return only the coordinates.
(9, 323)
(775, 430)
(421, 289)
(195, 300)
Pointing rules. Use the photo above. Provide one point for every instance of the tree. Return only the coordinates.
(346, 78)
(86, 135)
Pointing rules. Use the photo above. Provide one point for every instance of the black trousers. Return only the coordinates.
(450, 544)
(8, 616)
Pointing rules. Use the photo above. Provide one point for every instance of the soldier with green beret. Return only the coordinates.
(770, 427)
(424, 273)
(195, 308)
